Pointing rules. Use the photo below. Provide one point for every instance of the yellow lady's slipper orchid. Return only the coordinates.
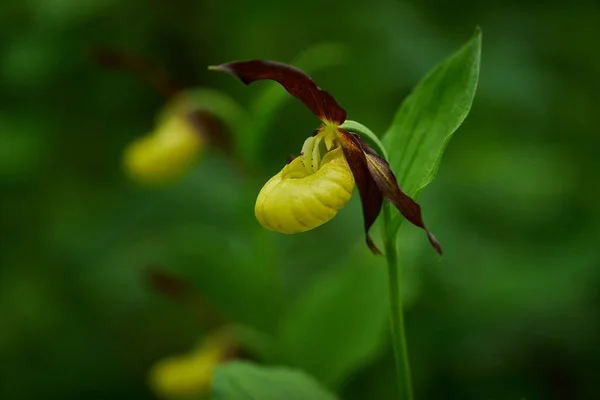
(168, 152)
(312, 188)
(191, 374)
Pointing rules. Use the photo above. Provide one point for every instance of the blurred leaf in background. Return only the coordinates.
(237, 380)
(338, 324)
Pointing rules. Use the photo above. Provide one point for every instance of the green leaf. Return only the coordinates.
(430, 115)
(338, 324)
(246, 381)
(255, 343)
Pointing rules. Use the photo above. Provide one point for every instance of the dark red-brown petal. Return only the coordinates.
(168, 284)
(179, 290)
(295, 81)
(370, 194)
(212, 128)
(151, 72)
(385, 179)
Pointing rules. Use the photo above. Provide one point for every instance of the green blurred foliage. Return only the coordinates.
(510, 312)
(239, 380)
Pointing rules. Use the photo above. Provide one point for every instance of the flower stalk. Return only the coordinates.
(403, 374)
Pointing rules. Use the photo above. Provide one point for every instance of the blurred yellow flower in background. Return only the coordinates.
(191, 374)
(168, 152)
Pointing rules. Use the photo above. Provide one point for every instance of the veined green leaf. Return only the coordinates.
(429, 116)
(245, 381)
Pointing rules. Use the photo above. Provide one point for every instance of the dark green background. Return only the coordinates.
(510, 312)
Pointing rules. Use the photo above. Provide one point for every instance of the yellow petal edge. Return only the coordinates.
(298, 198)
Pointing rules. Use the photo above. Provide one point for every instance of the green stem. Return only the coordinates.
(396, 312)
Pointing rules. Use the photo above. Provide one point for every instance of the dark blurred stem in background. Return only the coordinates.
(396, 312)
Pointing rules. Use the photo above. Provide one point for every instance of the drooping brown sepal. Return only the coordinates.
(387, 183)
(295, 81)
(370, 194)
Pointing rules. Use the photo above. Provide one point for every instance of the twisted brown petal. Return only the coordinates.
(386, 181)
(296, 82)
(370, 194)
